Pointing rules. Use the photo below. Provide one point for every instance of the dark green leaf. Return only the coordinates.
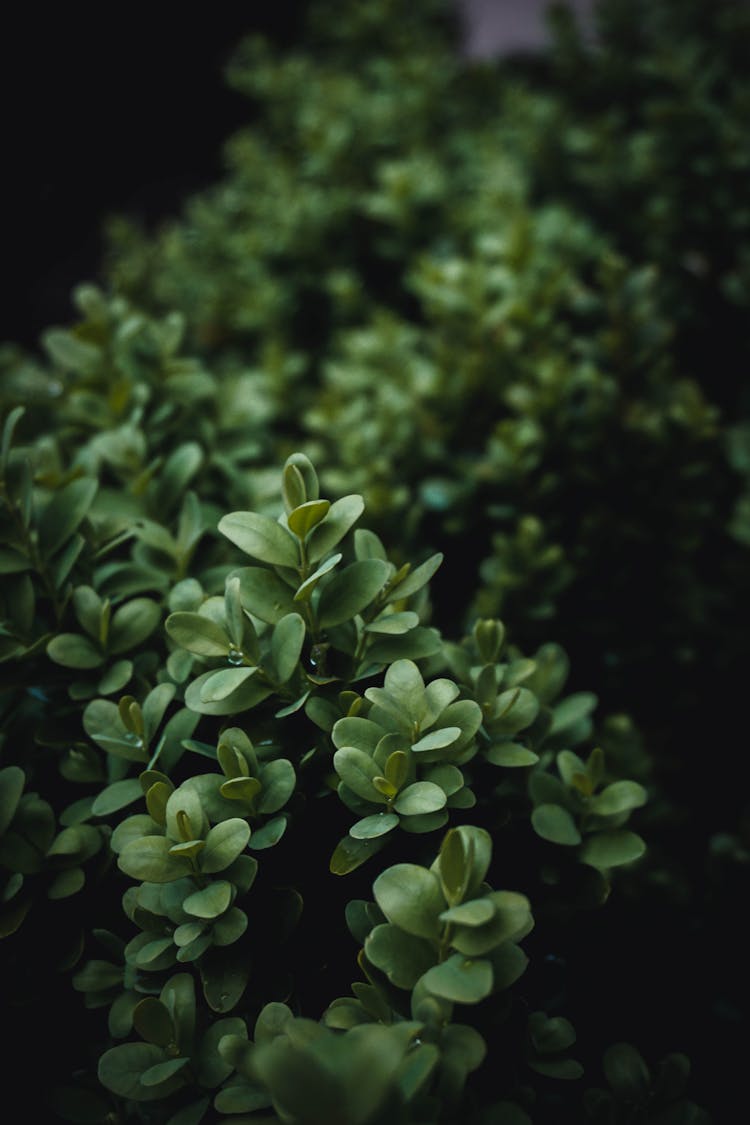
(401, 956)
(351, 590)
(371, 826)
(64, 512)
(264, 594)
(286, 646)
(73, 650)
(460, 980)
(153, 1022)
(611, 849)
(554, 823)
(120, 1069)
(410, 897)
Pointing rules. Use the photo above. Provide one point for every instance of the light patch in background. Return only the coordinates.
(497, 27)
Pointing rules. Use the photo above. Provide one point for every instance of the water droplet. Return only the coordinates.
(133, 739)
(235, 657)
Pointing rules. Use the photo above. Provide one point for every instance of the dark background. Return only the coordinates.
(106, 112)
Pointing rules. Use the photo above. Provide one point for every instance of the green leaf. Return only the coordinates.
(12, 781)
(342, 515)
(241, 789)
(511, 920)
(611, 849)
(556, 824)
(132, 624)
(393, 624)
(185, 816)
(421, 797)
(572, 711)
(460, 980)
(410, 897)
(70, 352)
(416, 579)
(116, 677)
(64, 512)
(514, 711)
(550, 1034)
(224, 843)
(304, 591)
(78, 842)
(198, 634)
(626, 1072)
(250, 692)
(511, 755)
(437, 740)
(121, 1067)
(264, 594)
(222, 683)
(356, 769)
(73, 650)
(178, 997)
(286, 646)
(299, 481)
(454, 867)
(67, 883)
(401, 956)
(9, 426)
(241, 1098)
(187, 932)
(448, 777)
(425, 822)
(415, 645)
(261, 537)
(157, 798)
(350, 853)
(371, 826)
(117, 796)
(163, 1071)
(153, 1022)
(148, 860)
(569, 766)
(305, 517)
(617, 798)
(367, 545)
(474, 913)
(567, 1069)
(279, 780)
(212, 901)
(360, 734)
(230, 927)
(154, 707)
(224, 975)
(465, 1046)
(509, 962)
(351, 590)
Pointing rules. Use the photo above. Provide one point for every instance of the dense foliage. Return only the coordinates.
(430, 362)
